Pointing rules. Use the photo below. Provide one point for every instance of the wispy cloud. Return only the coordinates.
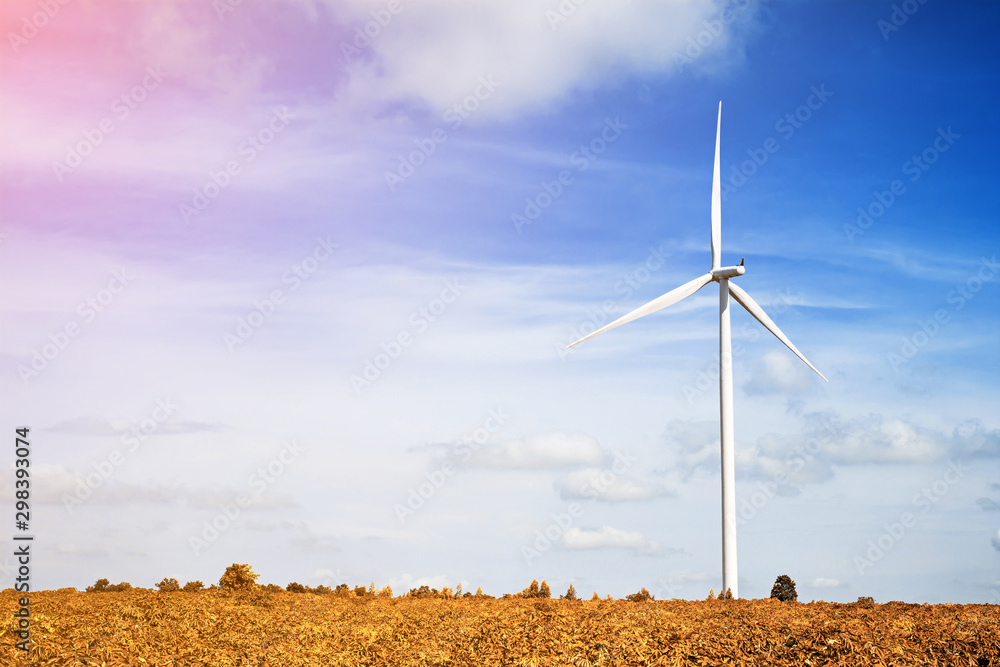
(607, 537)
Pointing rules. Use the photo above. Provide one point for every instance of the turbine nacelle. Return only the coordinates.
(728, 271)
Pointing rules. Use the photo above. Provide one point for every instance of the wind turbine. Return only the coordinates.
(722, 275)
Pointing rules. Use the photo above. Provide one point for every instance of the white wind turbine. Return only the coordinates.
(720, 274)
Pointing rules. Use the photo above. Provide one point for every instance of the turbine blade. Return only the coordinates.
(717, 201)
(671, 297)
(754, 309)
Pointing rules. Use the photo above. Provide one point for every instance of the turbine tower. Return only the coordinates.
(722, 275)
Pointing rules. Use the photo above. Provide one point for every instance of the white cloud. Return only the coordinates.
(116, 427)
(781, 372)
(603, 484)
(995, 540)
(550, 450)
(987, 505)
(327, 574)
(827, 583)
(608, 537)
(437, 50)
(827, 441)
(405, 582)
(74, 550)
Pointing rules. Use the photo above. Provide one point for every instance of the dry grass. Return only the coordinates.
(148, 628)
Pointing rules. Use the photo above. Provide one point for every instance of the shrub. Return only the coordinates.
(784, 589)
(642, 596)
(596, 596)
(570, 593)
(295, 587)
(238, 577)
(274, 588)
(535, 591)
(423, 592)
(100, 586)
(361, 591)
(168, 585)
(385, 592)
(193, 586)
(865, 601)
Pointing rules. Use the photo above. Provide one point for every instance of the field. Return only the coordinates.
(143, 627)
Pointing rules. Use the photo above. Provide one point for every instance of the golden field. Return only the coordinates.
(143, 627)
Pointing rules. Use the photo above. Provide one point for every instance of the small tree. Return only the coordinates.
(570, 593)
(596, 596)
(385, 592)
(544, 591)
(238, 577)
(100, 586)
(711, 594)
(784, 589)
(642, 596)
(168, 585)
(193, 586)
(531, 591)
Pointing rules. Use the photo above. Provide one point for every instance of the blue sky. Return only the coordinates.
(263, 270)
